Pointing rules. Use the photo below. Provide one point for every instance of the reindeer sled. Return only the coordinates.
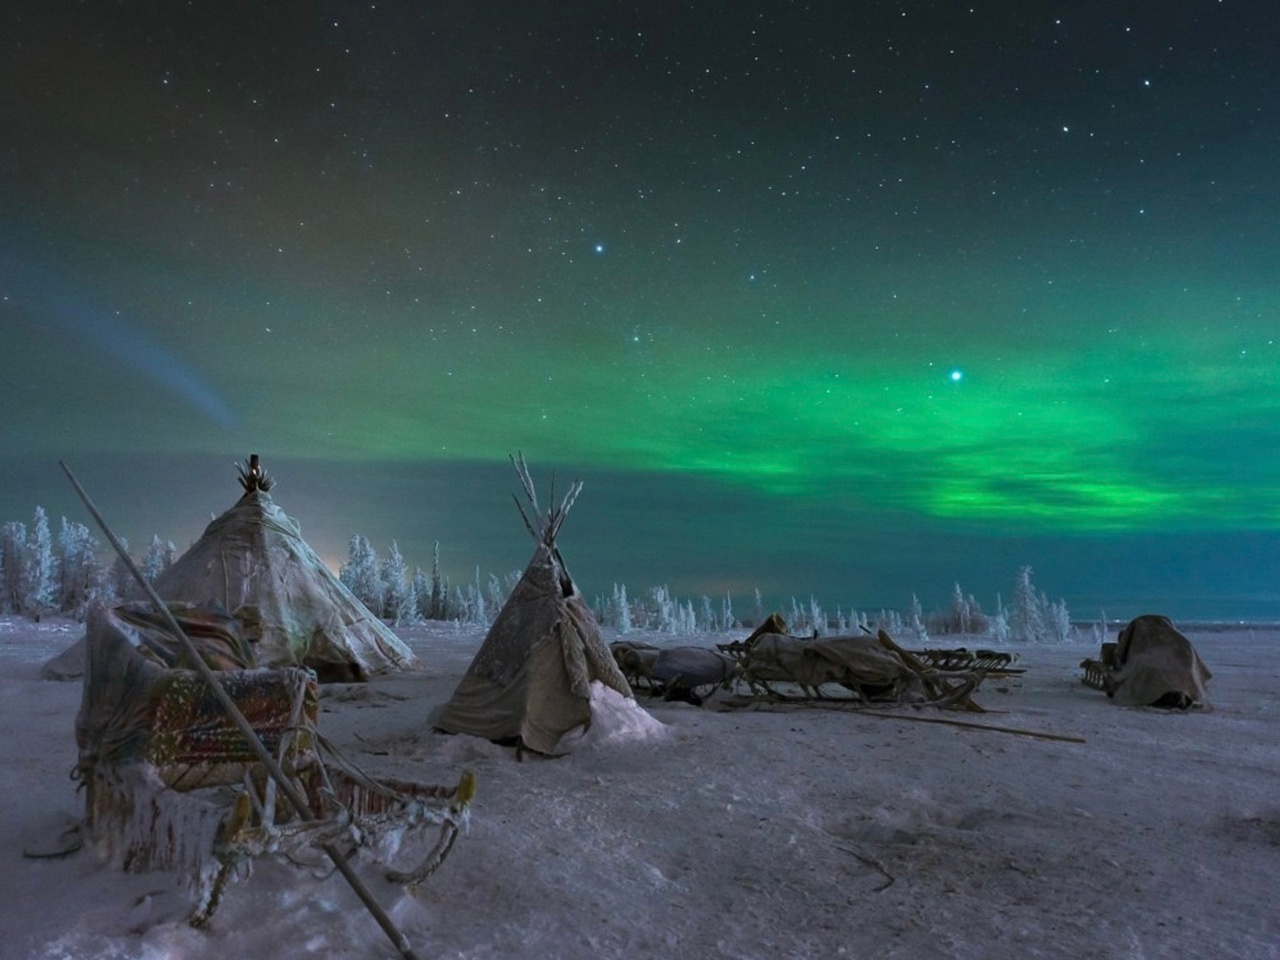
(171, 783)
(847, 671)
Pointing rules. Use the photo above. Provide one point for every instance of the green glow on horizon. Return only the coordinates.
(1068, 427)
(1041, 439)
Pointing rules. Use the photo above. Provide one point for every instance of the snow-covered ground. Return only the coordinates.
(763, 833)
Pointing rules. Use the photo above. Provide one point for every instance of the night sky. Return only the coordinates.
(854, 300)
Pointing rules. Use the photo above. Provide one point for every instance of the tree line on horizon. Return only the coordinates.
(41, 574)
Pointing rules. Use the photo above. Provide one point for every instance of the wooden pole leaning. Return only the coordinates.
(295, 798)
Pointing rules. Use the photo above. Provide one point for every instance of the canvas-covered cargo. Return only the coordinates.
(1151, 663)
(860, 665)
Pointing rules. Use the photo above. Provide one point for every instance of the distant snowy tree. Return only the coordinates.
(727, 620)
(666, 610)
(998, 628)
(757, 607)
(818, 617)
(917, 619)
(1026, 618)
(397, 603)
(13, 566)
(120, 578)
(1057, 620)
(479, 610)
(153, 562)
(422, 594)
(959, 622)
(80, 576)
(621, 609)
(799, 620)
(439, 587)
(686, 620)
(360, 573)
(42, 568)
(707, 620)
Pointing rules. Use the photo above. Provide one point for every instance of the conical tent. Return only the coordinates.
(531, 680)
(253, 562)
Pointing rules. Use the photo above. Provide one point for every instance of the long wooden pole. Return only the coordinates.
(291, 792)
(1061, 737)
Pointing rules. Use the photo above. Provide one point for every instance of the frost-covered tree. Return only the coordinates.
(727, 620)
(917, 619)
(1026, 616)
(397, 600)
(80, 575)
(42, 568)
(120, 579)
(621, 609)
(959, 621)
(1057, 620)
(421, 594)
(360, 573)
(13, 566)
(998, 628)
(439, 587)
(475, 600)
(666, 610)
(157, 558)
(499, 590)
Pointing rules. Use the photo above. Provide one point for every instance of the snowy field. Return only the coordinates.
(781, 833)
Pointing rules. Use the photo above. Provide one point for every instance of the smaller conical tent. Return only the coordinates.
(253, 562)
(531, 680)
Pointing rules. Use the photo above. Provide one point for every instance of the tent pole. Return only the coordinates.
(298, 801)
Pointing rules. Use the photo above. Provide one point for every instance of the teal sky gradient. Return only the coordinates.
(851, 301)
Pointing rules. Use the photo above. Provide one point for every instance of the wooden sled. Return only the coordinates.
(170, 782)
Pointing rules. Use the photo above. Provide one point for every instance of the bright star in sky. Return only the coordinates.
(956, 376)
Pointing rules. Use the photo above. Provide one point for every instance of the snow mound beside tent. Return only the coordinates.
(616, 719)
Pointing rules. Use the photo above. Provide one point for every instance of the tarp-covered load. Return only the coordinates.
(1151, 664)
(862, 669)
(531, 682)
(253, 562)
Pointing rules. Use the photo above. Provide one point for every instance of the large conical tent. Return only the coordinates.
(531, 680)
(253, 562)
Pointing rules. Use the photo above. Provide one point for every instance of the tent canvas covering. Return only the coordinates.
(530, 681)
(253, 562)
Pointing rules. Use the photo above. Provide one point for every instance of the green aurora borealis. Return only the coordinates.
(846, 302)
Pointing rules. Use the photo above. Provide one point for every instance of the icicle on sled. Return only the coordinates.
(171, 783)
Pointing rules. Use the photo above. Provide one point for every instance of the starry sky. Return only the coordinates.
(851, 300)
